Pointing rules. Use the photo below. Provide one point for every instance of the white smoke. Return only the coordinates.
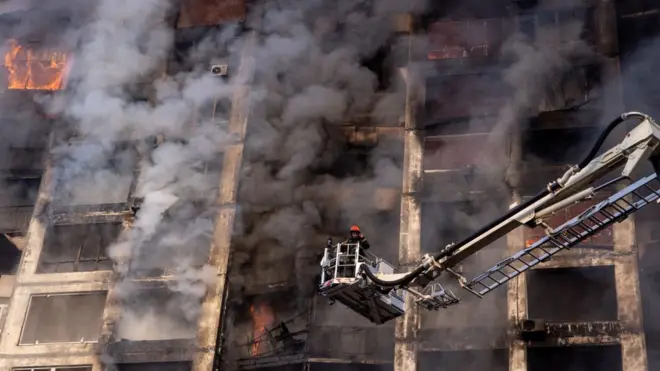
(308, 81)
(120, 51)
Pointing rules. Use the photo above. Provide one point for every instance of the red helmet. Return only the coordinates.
(355, 228)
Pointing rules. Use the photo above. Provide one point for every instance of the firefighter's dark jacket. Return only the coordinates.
(364, 244)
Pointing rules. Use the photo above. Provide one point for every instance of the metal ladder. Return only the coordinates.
(592, 221)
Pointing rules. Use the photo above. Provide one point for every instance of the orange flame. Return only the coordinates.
(262, 317)
(30, 70)
(530, 241)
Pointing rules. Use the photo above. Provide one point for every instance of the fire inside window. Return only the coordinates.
(29, 69)
(262, 317)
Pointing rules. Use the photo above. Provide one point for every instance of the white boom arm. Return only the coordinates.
(575, 185)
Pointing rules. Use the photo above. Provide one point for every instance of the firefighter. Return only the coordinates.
(356, 236)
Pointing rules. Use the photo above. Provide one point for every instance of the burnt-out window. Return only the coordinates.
(559, 26)
(216, 111)
(10, 256)
(572, 294)
(466, 95)
(447, 222)
(570, 89)
(467, 38)
(63, 318)
(602, 358)
(527, 27)
(469, 360)
(158, 315)
(55, 368)
(19, 192)
(198, 13)
(25, 159)
(350, 163)
(441, 224)
(91, 173)
(78, 247)
(153, 366)
(556, 146)
(380, 64)
(459, 151)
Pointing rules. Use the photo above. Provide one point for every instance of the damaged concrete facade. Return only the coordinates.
(60, 301)
(444, 140)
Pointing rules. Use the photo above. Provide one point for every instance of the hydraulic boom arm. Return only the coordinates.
(575, 185)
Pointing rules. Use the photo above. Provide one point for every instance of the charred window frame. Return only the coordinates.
(205, 13)
(19, 191)
(184, 59)
(553, 147)
(546, 153)
(216, 111)
(469, 38)
(78, 247)
(381, 63)
(591, 297)
(556, 21)
(120, 161)
(26, 159)
(574, 89)
(451, 97)
(582, 357)
(63, 318)
(453, 152)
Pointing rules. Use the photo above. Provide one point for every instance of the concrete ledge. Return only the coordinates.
(452, 339)
(127, 351)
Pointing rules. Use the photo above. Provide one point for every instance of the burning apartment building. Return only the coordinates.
(172, 170)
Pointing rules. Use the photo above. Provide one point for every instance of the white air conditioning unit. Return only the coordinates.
(219, 70)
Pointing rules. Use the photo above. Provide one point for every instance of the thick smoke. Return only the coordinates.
(308, 80)
(298, 185)
(119, 53)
